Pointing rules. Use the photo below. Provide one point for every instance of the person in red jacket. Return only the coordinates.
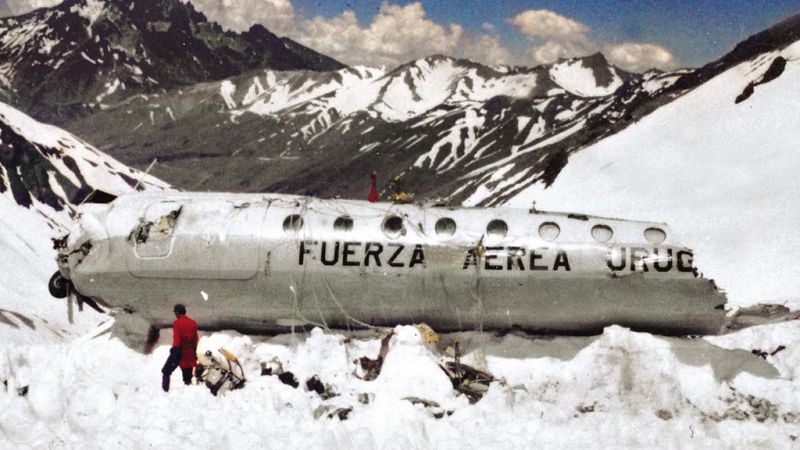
(183, 353)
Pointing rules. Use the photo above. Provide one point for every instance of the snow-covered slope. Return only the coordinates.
(719, 166)
(618, 390)
(43, 172)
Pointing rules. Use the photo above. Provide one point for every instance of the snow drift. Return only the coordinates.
(722, 173)
(43, 170)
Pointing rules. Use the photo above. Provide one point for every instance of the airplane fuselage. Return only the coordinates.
(265, 262)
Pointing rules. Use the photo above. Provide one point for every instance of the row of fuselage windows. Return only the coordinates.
(445, 228)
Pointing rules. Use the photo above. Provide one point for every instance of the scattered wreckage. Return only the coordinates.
(270, 263)
(220, 376)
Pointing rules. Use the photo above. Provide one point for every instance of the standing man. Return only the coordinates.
(184, 348)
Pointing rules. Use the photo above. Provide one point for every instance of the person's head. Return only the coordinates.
(179, 309)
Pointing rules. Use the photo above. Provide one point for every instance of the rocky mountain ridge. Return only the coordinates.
(67, 60)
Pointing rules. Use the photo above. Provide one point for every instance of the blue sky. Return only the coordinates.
(635, 35)
(696, 32)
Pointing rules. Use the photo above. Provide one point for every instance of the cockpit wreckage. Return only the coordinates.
(269, 263)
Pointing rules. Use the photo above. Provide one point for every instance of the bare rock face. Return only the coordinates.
(66, 60)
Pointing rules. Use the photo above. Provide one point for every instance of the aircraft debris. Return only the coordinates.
(371, 368)
(220, 377)
(332, 411)
(323, 390)
(434, 408)
(759, 314)
(275, 367)
(162, 226)
(428, 335)
(471, 382)
(764, 354)
(365, 398)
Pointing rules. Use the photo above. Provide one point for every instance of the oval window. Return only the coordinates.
(602, 233)
(445, 227)
(655, 236)
(344, 223)
(393, 226)
(497, 229)
(293, 223)
(549, 231)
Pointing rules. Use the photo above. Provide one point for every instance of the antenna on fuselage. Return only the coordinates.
(146, 172)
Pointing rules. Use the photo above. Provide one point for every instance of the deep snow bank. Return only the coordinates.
(41, 168)
(617, 389)
(724, 175)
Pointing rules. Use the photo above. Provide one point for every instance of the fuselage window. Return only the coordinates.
(445, 227)
(655, 236)
(292, 223)
(497, 229)
(549, 231)
(343, 223)
(602, 233)
(393, 226)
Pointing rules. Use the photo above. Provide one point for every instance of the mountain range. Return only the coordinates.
(155, 80)
(65, 61)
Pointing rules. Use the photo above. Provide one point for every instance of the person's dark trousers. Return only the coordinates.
(187, 375)
(172, 363)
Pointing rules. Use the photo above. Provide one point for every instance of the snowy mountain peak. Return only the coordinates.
(106, 50)
(590, 76)
(43, 165)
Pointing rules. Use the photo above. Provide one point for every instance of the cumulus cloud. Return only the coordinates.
(239, 15)
(552, 51)
(548, 24)
(485, 49)
(17, 7)
(396, 34)
(637, 57)
(400, 33)
(558, 36)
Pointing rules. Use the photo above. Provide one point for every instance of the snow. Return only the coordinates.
(226, 90)
(620, 389)
(723, 175)
(451, 143)
(101, 169)
(573, 76)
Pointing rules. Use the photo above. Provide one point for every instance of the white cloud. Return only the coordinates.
(395, 35)
(564, 37)
(485, 49)
(552, 51)
(401, 33)
(548, 24)
(239, 15)
(17, 7)
(638, 57)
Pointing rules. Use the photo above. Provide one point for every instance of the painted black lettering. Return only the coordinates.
(685, 261)
(639, 254)
(393, 259)
(418, 257)
(621, 251)
(561, 261)
(535, 256)
(471, 259)
(375, 253)
(304, 251)
(491, 254)
(324, 252)
(515, 254)
(659, 263)
(347, 251)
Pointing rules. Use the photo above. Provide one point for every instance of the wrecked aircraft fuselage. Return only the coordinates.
(260, 262)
